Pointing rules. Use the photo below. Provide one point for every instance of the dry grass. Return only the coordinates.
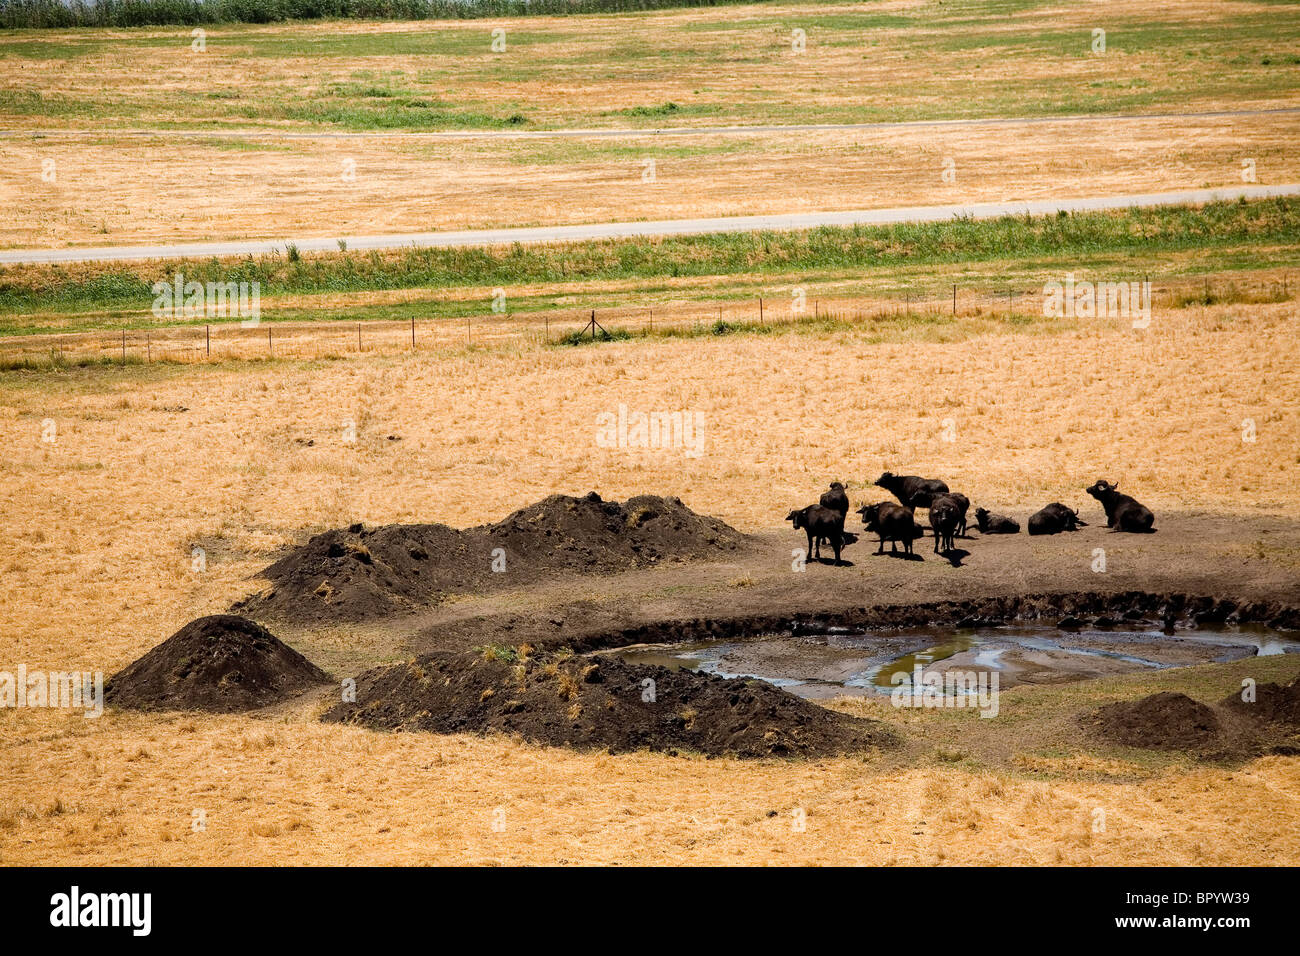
(326, 794)
(240, 459)
(96, 557)
(730, 66)
(99, 524)
(134, 190)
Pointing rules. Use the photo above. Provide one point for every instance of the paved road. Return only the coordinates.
(594, 133)
(668, 227)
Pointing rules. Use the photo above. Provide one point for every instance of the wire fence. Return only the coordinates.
(337, 338)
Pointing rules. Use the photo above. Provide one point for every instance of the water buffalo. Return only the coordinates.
(836, 499)
(912, 491)
(963, 505)
(1123, 512)
(1054, 519)
(820, 524)
(995, 524)
(945, 516)
(893, 523)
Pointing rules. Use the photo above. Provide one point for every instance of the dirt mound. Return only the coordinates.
(364, 573)
(601, 703)
(1164, 721)
(1273, 704)
(221, 663)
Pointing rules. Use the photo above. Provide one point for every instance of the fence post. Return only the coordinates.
(954, 298)
(412, 331)
(148, 347)
(270, 349)
(760, 310)
(207, 338)
(124, 346)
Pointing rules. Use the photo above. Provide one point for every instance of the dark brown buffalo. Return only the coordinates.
(836, 499)
(911, 490)
(893, 523)
(1123, 512)
(820, 524)
(945, 516)
(995, 524)
(1054, 519)
(962, 503)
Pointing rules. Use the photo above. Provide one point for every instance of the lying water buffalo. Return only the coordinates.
(820, 524)
(995, 524)
(945, 516)
(1123, 512)
(911, 490)
(893, 523)
(1054, 519)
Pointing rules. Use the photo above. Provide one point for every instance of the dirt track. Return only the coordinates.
(1238, 559)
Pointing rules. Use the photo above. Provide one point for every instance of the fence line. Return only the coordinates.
(326, 339)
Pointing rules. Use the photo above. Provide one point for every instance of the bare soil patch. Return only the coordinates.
(601, 704)
(1164, 721)
(1231, 730)
(222, 663)
(364, 573)
(1273, 704)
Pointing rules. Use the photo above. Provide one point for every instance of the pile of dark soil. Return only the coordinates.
(601, 703)
(221, 663)
(1273, 704)
(1164, 721)
(365, 573)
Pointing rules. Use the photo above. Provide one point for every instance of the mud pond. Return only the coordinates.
(841, 661)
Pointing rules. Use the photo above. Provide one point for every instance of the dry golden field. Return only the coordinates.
(372, 162)
(148, 461)
(112, 475)
(133, 191)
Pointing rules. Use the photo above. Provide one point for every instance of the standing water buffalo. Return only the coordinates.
(995, 524)
(1123, 512)
(1054, 519)
(836, 499)
(912, 491)
(893, 523)
(945, 516)
(963, 505)
(820, 524)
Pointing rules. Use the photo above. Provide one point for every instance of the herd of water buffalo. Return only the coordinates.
(895, 523)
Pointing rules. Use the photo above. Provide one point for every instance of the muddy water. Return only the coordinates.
(855, 662)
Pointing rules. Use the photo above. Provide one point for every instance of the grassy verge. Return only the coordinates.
(1248, 234)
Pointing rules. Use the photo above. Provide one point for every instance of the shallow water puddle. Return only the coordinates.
(840, 661)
